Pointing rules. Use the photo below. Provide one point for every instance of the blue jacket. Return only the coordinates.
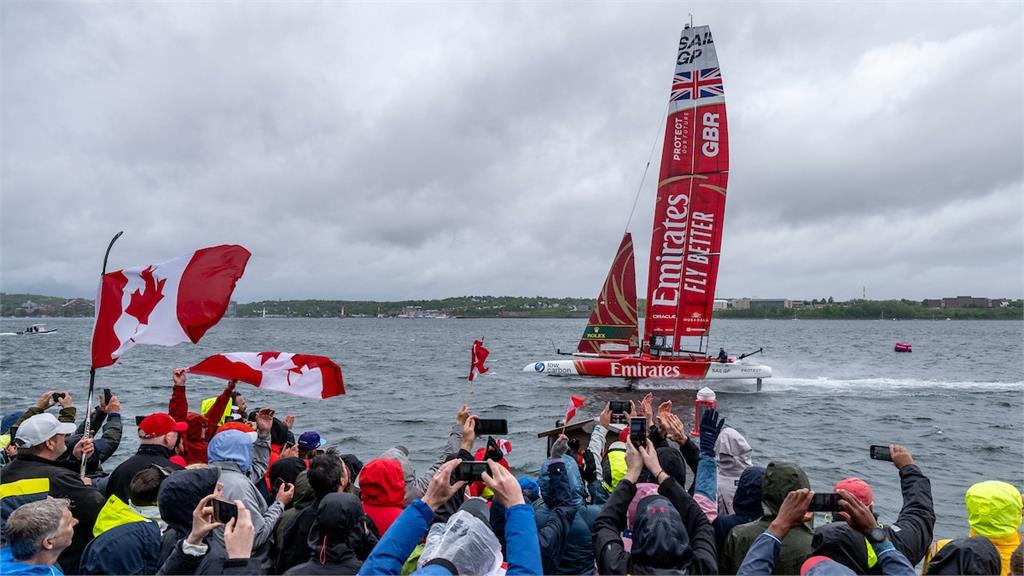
(9, 566)
(578, 549)
(413, 523)
(764, 553)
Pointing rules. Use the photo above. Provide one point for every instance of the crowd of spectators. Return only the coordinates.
(226, 490)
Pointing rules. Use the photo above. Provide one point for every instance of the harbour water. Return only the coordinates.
(956, 402)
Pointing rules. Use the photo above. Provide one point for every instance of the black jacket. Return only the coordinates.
(746, 504)
(337, 538)
(148, 455)
(975, 555)
(911, 533)
(609, 551)
(214, 562)
(86, 501)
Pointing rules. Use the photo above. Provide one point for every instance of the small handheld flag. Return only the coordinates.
(477, 356)
(575, 402)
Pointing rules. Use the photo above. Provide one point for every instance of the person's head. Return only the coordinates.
(859, 488)
(1017, 561)
(327, 474)
(824, 566)
(338, 516)
(660, 541)
(465, 541)
(747, 500)
(285, 471)
(309, 443)
(780, 478)
(39, 531)
(231, 446)
(993, 509)
(145, 486)
(238, 402)
(382, 483)
(43, 435)
(160, 429)
(841, 544)
(733, 453)
(181, 492)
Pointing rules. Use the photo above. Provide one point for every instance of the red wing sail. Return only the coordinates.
(690, 207)
(612, 324)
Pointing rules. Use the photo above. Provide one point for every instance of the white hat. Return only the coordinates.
(39, 429)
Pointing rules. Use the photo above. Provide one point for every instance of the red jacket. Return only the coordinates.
(382, 490)
(200, 428)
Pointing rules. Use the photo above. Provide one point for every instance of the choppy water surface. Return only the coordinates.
(957, 402)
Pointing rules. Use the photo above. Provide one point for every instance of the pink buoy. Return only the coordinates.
(903, 347)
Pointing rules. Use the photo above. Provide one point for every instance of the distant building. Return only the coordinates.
(932, 303)
(77, 307)
(770, 303)
(30, 307)
(232, 309)
(966, 302)
(412, 311)
(740, 303)
(720, 305)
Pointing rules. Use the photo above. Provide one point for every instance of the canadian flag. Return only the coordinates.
(302, 375)
(164, 304)
(477, 356)
(575, 402)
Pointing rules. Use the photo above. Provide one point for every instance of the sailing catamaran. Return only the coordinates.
(685, 247)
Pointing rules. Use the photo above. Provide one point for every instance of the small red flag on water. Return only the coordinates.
(477, 356)
(575, 402)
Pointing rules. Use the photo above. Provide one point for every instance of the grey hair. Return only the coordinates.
(31, 523)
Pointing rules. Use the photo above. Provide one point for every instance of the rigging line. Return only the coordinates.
(643, 178)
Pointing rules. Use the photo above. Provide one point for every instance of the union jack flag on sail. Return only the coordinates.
(696, 84)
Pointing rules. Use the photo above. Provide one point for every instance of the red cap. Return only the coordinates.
(624, 435)
(178, 460)
(160, 423)
(858, 488)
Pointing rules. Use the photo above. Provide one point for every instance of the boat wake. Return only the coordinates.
(881, 384)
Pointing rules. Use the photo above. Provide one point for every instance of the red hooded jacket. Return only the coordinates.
(382, 490)
(200, 428)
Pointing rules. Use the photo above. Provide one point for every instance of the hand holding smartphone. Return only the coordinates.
(491, 426)
(471, 471)
(824, 502)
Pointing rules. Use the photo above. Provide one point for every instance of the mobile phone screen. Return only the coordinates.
(619, 406)
(824, 502)
(224, 511)
(470, 471)
(106, 395)
(495, 426)
(881, 453)
(638, 431)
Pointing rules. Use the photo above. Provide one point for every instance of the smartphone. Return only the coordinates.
(106, 396)
(469, 471)
(638, 431)
(881, 453)
(57, 396)
(824, 502)
(224, 511)
(495, 426)
(619, 406)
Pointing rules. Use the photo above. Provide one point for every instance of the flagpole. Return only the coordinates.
(92, 371)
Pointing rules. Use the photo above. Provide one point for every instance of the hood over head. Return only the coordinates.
(181, 492)
(841, 543)
(285, 471)
(340, 530)
(231, 446)
(381, 483)
(747, 500)
(733, 453)
(465, 542)
(672, 462)
(643, 490)
(401, 453)
(660, 540)
(824, 566)
(993, 508)
(781, 478)
(975, 555)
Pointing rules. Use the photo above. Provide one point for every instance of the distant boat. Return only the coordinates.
(37, 329)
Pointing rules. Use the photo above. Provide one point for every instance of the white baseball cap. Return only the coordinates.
(39, 429)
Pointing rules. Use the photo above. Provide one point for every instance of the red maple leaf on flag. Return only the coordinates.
(142, 303)
(302, 361)
(267, 356)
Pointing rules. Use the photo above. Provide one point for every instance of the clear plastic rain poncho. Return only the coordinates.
(465, 541)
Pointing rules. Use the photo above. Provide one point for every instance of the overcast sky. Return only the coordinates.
(375, 151)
